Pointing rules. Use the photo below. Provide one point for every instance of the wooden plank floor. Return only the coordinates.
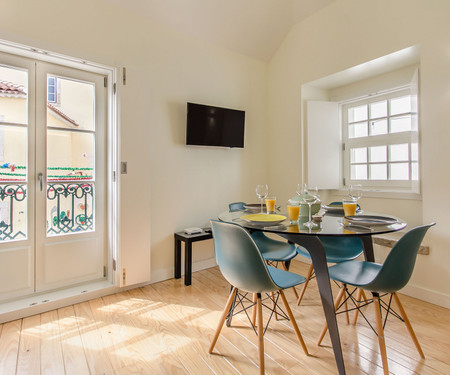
(166, 328)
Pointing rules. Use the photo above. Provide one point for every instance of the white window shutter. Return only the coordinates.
(323, 144)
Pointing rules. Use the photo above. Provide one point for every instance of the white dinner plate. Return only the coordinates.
(371, 220)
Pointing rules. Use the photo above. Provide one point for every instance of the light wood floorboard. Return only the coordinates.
(167, 328)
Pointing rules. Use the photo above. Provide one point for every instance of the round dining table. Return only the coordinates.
(332, 224)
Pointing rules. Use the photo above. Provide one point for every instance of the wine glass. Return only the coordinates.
(309, 196)
(354, 191)
(261, 192)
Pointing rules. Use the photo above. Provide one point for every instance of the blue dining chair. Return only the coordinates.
(387, 279)
(242, 265)
(273, 251)
(337, 250)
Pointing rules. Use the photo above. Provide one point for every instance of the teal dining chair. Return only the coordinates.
(272, 250)
(337, 250)
(242, 265)
(385, 279)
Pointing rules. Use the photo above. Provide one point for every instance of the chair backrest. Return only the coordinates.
(342, 249)
(399, 264)
(339, 204)
(239, 258)
(236, 206)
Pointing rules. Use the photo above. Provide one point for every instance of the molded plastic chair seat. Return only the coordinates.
(242, 265)
(285, 279)
(388, 278)
(274, 250)
(356, 273)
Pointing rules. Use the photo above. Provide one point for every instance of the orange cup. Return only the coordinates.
(293, 213)
(270, 204)
(349, 207)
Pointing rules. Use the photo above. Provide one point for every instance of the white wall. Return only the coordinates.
(169, 186)
(346, 34)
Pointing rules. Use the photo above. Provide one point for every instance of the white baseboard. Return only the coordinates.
(427, 295)
(43, 302)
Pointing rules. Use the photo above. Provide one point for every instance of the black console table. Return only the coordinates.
(187, 239)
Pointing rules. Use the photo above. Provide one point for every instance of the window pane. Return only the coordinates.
(13, 212)
(358, 155)
(70, 155)
(415, 171)
(358, 130)
(378, 127)
(377, 154)
(75, 106)
(399, 152)
(356, 114)
(401, 124)
(13, 95)
(378, 171)
(378, 109)
(69, 208)
(399, 171)
(400, 105)
(415, 151)
(358, 172)
(13, 153)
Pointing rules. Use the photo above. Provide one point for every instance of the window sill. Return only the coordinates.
(385, 194)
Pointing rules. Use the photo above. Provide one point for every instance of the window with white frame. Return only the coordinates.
(380, 136)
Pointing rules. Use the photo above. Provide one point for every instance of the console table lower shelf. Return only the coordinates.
(188, 239)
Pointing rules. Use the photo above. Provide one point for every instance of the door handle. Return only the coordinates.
(41, 180)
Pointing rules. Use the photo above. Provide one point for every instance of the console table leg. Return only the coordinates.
(177, 270)
(188, 263)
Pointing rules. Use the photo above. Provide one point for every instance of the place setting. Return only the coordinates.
(353, 215)
(267, 215)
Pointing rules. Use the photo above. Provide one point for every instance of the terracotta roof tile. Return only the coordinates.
(62, 115)
(11, 89)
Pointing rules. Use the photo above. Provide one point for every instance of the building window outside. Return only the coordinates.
(51, 89)
(380, 135)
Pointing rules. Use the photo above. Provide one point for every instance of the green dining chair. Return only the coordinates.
(242, 265)
(386, 279)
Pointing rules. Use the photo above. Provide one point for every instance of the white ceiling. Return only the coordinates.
(254, 28)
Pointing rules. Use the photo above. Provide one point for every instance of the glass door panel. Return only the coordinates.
(71, 246)
(16, 166)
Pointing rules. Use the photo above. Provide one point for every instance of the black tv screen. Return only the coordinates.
(214, 126)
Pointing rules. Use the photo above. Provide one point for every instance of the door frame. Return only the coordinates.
(112, 129)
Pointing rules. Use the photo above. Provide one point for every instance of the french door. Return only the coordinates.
(53, 144)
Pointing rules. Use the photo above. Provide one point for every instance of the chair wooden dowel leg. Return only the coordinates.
(222, 319)
(358, 303)
(260, 334)
(254, 310)
(347, 318)
(305, 284)
(336, 304)
(294, 323)
(408, 325)
(380, 331)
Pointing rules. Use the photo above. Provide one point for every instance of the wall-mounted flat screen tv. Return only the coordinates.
(214, 126)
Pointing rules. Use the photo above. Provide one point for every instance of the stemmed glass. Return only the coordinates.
(354, 191)
(309, 196)
(261, 192)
